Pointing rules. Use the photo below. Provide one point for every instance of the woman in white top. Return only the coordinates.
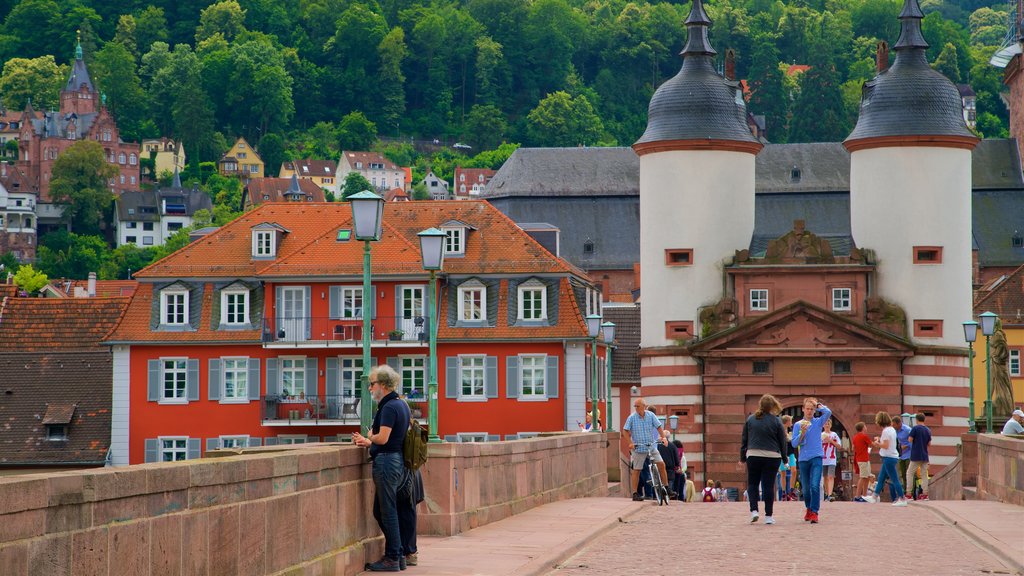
(886, 444)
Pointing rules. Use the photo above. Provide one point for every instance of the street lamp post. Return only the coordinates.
(593, 329)
(971, 335)
(432, 255)
(609, 337)
(988, 328)
(367, 214)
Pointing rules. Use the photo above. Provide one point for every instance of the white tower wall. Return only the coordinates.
(690, 199)
(902, 197)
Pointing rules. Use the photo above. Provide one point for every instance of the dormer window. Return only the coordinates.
(794, 174)
(174, 306)
(533, 301)
(455, 241)
(473, 302)
(234, 306)
(263, 244)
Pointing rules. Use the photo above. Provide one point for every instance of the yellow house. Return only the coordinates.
(1004, 297)
(242, 161)
(320, 172)
(167, 154)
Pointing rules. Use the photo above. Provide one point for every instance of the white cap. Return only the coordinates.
(1018, 413)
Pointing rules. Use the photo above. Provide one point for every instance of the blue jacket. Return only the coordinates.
(812, 447)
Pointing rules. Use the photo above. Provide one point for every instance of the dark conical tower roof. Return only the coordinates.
(79, 72)
(697, 104)
(910, 98)
(176, 183)
(294, 193)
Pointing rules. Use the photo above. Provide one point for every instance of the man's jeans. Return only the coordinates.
(389, 477)
(810, 483)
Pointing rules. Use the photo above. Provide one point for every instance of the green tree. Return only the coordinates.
(819, 114)
(125, 261)
(767, 91)
(272, 152)
(34, 27)
(946, 63)
(419, 192)
(391, 81)
(38, 79)
(150, 27)
(65, 254)
(485, 126)
(226, 18)
(491, 72)
(114, 69)
(29, 279)
(10, 265)
(193, 118)
(260, 88)
(354, 184)
(561, 120)
(124, 34)
(80, 182)
(355, 132)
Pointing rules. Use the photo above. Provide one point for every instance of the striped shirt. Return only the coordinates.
(643, 431)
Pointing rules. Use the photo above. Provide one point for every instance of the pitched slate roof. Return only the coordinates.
(1006, 299)
(71, 386)
(810, 167)
(261, 190)
(130, 204)
(567, 172)
(307, 168)
(66, 324)
(995, 164)
(625, 362)
(998, 215)
(827, 215)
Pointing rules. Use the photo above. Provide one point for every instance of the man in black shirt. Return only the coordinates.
(390, 476)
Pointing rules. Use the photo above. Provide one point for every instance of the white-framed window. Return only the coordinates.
(235, 375)
(173, 449)
(120, 158)
(533, 302)
(1014, 363)
(293, 376)
(122, 178)
(472, 436)
(132, 159)
(473, 302)
(758, 299)
(263, 243)
(471, 375)
(454, 241)
(841, 299)
(234, 307)
(532, 373)
(291, 439)
(414, 373)
(174, 307)
(351, 301)
(234, 441)
(593, 302)
(174, 379)
(351, 375)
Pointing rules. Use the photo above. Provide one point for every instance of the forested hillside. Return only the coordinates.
(308, 77)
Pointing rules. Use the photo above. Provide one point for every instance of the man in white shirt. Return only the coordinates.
(1015, 425)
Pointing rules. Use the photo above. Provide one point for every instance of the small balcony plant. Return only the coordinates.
(396, 334)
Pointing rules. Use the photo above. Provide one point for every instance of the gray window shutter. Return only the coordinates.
(307, 302)
(491, 376)
(373, 302)
(333, 384)
(512, 377)
(551, 378)
(273, 381)
(451, 381)
(312, 439)
(254, 378)
(213, 380)
(587, 384)
(511, 436)
(154, 381)
(396, 364)
(254, 441)
(311, 378)
(270, 441)
(451, 438)
(152, 450)
(212, 444)
(193, 380)
(335, 301)
(494, 437)
(195, 448)
(278, 310)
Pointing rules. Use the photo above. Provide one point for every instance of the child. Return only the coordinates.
(720, 493)
(708, 493)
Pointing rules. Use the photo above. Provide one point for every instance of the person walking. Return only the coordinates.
(643, 430)
(862, 460)
(807, 437)
(903, 445)
(385, 440)
(886, 444)
(671, 458)
(829, 446)
(762, 447)
(920, 438)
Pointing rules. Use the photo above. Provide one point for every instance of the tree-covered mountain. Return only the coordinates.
(310, 77)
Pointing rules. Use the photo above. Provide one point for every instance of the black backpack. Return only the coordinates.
(414, 449)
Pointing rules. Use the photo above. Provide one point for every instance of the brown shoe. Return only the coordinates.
(411, 559)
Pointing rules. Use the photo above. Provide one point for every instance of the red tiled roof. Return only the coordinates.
(1005, 298)
(312, 167)
(366, 158)
(135, 326)
(274, 189)
(104, 288)
(39, 324)
(797, 68)
(395, 195)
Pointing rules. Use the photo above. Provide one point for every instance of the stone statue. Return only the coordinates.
(1002, 393)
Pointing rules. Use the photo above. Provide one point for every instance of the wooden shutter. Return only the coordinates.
(452, 380)
(311, 378)
(333, 383)
(192, 380)
(273, 380)
(551, 386)
(213, 383)
(154, 381)
(512, 377)
(212, 444)
(254, 378)
(307, 303)
(491, 376)
(152, 448)
(195, 448)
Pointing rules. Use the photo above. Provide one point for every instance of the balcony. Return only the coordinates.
(325, 332)
(328, 410)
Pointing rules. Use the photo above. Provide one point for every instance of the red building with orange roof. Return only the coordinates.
(253, 334)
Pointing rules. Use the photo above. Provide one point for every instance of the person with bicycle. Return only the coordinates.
(643, 432)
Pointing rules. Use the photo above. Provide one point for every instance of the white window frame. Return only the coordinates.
(241, 440)
(350, 370)
(349, 296)
(296, 367)
(173, 449)
(132, 159)
(841, 302)
(540, 291)
(477, 375)
(226, 313)
(291, 439)
(1013, 363)
(240, 371)
(541, 361)
(263, 245)
(455, 240)
(465, 292)
(181, 367)
(466, 437)
(413, 371)
(593, 302)
(758, 298)
(169, 317)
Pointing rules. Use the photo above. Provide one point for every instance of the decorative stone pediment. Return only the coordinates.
(799, 246)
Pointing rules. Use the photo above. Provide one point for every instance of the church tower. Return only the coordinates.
(79, 96)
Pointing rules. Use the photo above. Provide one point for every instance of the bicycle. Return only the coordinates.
(660, 490)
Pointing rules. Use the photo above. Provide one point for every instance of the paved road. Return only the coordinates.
(718, 538)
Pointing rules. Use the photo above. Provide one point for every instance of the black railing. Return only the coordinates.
(300, 408)
(341, 330)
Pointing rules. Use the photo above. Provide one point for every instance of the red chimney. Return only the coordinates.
(882, 56)
(730, 64)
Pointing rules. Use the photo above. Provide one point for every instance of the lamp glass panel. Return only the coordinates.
(366, 216)
(970, 331)
(988, 323)
(593, 325)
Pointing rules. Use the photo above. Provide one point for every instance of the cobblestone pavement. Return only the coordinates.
(718, 538)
